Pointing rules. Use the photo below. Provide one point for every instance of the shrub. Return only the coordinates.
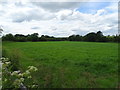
(16, 79)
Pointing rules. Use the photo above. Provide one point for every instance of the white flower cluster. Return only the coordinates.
(19, 76)
(32, 68)
(4, 59)
(15, 73)
(18, 82)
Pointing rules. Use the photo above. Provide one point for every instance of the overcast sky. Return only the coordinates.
(59, 19)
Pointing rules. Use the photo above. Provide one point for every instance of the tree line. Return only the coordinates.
(90, 37)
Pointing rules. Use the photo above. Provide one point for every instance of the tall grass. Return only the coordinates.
(14, 57)
(68, 64)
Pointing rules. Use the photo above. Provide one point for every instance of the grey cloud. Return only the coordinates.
(3, 2)
(63, 17)
(19, 4)
(20, 17)
(56, 6)
(34, 14)
(35, 27)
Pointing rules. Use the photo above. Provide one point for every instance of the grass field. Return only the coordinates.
(68, 64)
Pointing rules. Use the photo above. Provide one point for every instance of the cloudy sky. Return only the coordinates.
(59, 19)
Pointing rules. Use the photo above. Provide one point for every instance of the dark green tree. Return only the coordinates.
(91, 37)
(8, 37)
(20, 38)
(34, 37)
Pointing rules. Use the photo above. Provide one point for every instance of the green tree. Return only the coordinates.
(99, 36)
(34, 37)
(20, 38)
(91, 37)
(8, 37)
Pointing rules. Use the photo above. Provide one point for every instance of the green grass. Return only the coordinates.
(68, 64)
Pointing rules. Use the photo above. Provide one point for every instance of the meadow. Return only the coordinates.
(67, 64)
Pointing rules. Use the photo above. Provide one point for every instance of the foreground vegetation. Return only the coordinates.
(16, 79)
(67, 64)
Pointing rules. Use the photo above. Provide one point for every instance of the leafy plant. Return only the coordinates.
(16, 79)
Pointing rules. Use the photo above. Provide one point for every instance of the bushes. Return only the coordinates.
(16, 79)
(12, 76)
(13, 56)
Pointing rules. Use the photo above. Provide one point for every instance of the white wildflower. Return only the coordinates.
(32, 68)
(20, 75)
(21, 79)
(7, 63)
(29, 77)
(5, 79)
(15, 73)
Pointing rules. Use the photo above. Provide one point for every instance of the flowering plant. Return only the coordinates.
(16, 78)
